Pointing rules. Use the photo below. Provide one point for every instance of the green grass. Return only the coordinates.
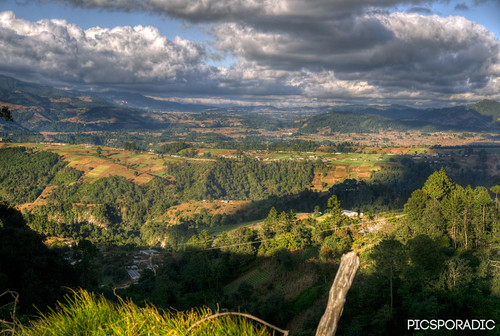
(217, 230)
(215, 151)
(305, 299)
(85, 313)
(97, 171)
(255, 278)
(283, 156)
(358, 160)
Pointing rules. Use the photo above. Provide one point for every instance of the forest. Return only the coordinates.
(436, 255)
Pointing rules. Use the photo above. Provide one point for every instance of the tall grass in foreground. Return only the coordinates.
(87, 314)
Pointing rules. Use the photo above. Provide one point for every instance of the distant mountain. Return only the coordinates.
(135, 100)
(457, 118)
(487, 108)
(398, 112)
(43, 108)
(483, 116)
(350, 122)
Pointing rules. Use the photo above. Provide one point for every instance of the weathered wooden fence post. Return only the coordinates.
(343, 280)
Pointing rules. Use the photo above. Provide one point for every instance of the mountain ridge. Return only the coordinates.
(44, 108)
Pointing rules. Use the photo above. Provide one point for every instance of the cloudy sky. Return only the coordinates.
(279, 52)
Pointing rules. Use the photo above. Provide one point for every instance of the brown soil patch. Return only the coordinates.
(192, 208)
(41, 200)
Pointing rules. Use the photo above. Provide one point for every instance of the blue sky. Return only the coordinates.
(279, 52)
(92, 17)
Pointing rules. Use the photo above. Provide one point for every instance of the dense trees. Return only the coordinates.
(172, 148)
(110, 209)
(444, 210)
(413, 272)
(24, 174)
(246, 179)
(115, 209)
(387, 189)
(438, 263)
(349, 122)
(27, 266)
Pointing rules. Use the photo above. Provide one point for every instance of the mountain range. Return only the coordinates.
(45, 108)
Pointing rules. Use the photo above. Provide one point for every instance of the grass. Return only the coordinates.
(359, 160)
(85, 313)
(255, 278)
(305, 299)
(217, 230)
(97, 171)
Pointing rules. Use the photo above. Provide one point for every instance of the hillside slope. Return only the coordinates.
(43, 108)
(487, 108)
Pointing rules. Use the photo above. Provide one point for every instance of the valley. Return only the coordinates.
(252, 209)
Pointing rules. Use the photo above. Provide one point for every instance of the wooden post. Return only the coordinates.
(343, 281)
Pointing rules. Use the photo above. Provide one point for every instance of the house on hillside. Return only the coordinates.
(351, 214)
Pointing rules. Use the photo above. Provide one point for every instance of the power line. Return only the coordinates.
(293, 235)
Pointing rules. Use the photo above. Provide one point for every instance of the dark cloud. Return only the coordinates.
(242, 10)
(380, 49)
(316, 48)
(420, 10)
(329, 44)
(462, 7)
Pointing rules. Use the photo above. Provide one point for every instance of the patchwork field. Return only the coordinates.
(192, 208)
(140, 168)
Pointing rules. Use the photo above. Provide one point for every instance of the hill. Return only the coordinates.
(372, 119)
(44, 108)
(38, 274)
(487, 108)
(350, 122)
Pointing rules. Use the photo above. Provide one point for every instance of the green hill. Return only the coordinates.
(348, 122)
(43, 108)
(488, 108)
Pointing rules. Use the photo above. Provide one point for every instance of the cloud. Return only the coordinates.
(388, 51)
(242, 10)
(309, 45)
(462, 6)
(58, 49)
(300, 49)
(420, 10)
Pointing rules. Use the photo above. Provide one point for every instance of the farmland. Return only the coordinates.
(141, 167)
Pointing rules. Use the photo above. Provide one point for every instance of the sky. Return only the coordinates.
(259, 52)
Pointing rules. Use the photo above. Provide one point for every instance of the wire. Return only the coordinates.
(293, 235)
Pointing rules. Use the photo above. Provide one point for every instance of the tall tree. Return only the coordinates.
(438, 185)
(452, 210)
(414, 209)
(6, 114)
(390, 257)
(482, 200)
(496, 190)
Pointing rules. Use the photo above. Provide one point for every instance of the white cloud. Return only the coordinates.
(373, 54)
(97, 55)
(303, 49)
